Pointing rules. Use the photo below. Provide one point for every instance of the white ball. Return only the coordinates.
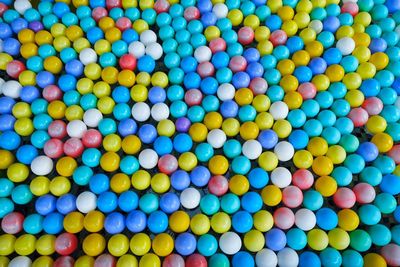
(148, 158)
(154, 50)
(202, 54)
(316, 25)
(1, 79)
(287, 257)
(141, 111)
(252, 149)
(42, 165)
(305, 219)
(230, 243)
(397, 30)
(92, 117)
(21, 6)
(347, 1)
(279, 110)
(284, 151)
(20, 261)
(87, 56)
(346, 45)
(281, 177)
(266, 258)
(226, 91)
(86, 201)
(216, 138)
(148, 37)
(1, 46)
(11, 89)
(136, 49)
(190, 198)
(220, 10)
(76, 128)
(160, 111)
(397, 103)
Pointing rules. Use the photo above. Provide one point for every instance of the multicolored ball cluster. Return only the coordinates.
(200, 133)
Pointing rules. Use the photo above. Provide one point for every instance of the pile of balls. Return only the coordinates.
(200, 133)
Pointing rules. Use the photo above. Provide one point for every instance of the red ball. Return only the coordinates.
(344, 198)
(238, 63)
(66, 244)
(173, 260)
(193, 97)
(161, 6)
(245, 35)
(196, 260)
(54, 148)
(64, 261)
(205, 69)
(127, 62)
(98, 13)
(167, 164)
(123, 23)
(365, 193)
(52, 92)
(284, 218)
(12, 223)
(359, 116)
(113, 3)
(14, 68)
(105, 260)
(350, 7)
(92, 138)
(292, 196)
(191, 13)
(259, 86)
(218, 185)
(394, 153)
(303, 179)
(57, 129)
(278, 37)
(217, 44)
(307, 90)
(373, 105)
(73, 147)
(3, 8)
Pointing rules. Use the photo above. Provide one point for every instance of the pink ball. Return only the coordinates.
(98, 13)
(344, 198)
(292, 196)
(307, 90)
(113, 3)
(53, 148)
(14, 68)
(391, 253)
(105, 260)
(205, 69)
(161, 6)
(217, 44)
(394, 153)
(196, 260)
(64, 261)
(364, 192)
(12, 223)
(245, 35)
(193, 97)
(123, 23)
(173, 260)
(259, 86)
(284, 218)
(237, 63)
(167, 164)
(51, 93)
(191, 13)
(66, 244)
(92, 138)
(73, 147)
(359, 116)
(3, 8)
(373, 105)
(278, 37)
(350, 7)
(303, 179)
(57, 129)
(218, 185)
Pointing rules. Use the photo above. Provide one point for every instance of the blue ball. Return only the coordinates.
(309, 259)
(229, 109)
(258, 178)
(66, 204)
(268, 139)
(242, 258)
(180, 180)
(157, 222)
(45, 204)
(207, 245)
(390, 184)
(275, 239)
(128, 201)
(368, 151)
(200, 176)
(26, 153)
(251, 202)
(147, 133)
(326, 219)
(107, 202)
(299, 139)
(136, 221)
(114, 223)
(126, 127)
(351, 258)
(185, 244)
(99, 183)
(53, 223)
(169, 203)
(33, 224)
(146, 64)
(9, 140)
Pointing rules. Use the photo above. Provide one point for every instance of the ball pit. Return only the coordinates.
(200, 133)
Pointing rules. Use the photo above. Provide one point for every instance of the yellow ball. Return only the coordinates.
(166, 128)
(231, 127)
(45, 245)
(58, 29)
(274, 5)
(127, 260)
(249, 130)
(244, 96)
(301, 58)
(25, 244)
(239, 185)
(26, 50)
(66, 166)
(220, 222)
(361, 39)
(56, 109)
(264, 120)
(84, 261)
(235, 16)
(213, 120)
(94, 244)
(150, 259)
(43, 37)
(355, 98)
(322, 165)
(22, 110)
(187, 161)
(263, 220)
(303, 159)
(4, 60)
(92, 71)
(282, 128)
(362, 53)
(27, 77)
(290, 27)
(211, 33)
(336, 153)
(118, 245)
(126, 78)
(285, 13)
(139, 93)
(363, 18)
(268, 161)
(106, 23)
(106, 105)
(179, 221)
(140, 25)
(314, 49)
(293, 99)
(317, 146)
(140, 244)
(344, 31)
(262, 33)
(94, 221)
(252, 21)
(321, 82)
(112, 142)
(129, 3)
(271, 195)
(26, 36)
(73, 222)
(144, 4)
(131, 144)
(326, 186)
(60, 186)
(383, 142)
(265, 47)
(338, 238)
(110, 75)
(7, 244)
(289, 83)
(254, 240)
(159, 79)
(285, 67)
(17, 172)
(74, 32)
(6, 159)
(74, 112)
(302, 20)
(304, 6)
(348, 220)
(261, 103)
(317, 239)
(376, 124)
(335, 73)
(200, 224)
(61, 42)
(163, 244)
(80, 44)
(366, 70)
(318, 3)
(198, 131)
(120, 182)
(374, 260)
(143, 78)
(160, 183)
(4, 261)
(141, 180)
(24, 127)
(113, 34)
(43, 261)
(218, 165)
(380, 60)
(84, 86)
(109, 162)
(102, 46)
